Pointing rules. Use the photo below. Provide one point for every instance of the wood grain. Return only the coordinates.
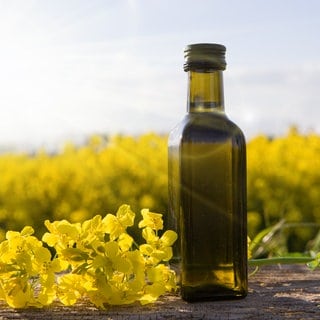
(275, 292)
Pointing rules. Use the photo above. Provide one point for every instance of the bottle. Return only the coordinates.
(207, 185)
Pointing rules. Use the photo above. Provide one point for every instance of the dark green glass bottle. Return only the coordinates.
(207, 186)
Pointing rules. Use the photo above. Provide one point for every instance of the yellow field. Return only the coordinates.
(96, 178)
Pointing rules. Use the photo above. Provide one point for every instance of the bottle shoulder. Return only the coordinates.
(206, 127)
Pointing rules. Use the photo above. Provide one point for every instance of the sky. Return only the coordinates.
(70, 69)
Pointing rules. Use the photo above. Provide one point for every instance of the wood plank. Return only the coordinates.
(275, 292)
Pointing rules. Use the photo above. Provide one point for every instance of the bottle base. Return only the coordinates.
(210, 293)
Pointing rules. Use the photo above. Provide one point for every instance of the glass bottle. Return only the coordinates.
(207, 185)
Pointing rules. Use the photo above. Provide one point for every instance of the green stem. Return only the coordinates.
(279, 260)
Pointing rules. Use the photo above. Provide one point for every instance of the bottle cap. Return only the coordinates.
(204, 56)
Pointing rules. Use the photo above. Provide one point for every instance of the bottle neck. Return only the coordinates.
(205, 92)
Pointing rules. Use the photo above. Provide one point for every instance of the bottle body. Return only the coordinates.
(207, 192)
(211, 210)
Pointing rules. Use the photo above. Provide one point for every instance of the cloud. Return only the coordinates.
(269, 100)
(71, 70)
(64, 91)
(67, 90)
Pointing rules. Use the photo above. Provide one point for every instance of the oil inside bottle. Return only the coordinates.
(211, 220)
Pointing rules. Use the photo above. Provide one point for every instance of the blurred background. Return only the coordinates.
(77, 67)
(83, 83)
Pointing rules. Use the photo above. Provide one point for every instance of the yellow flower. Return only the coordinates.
(158, 248)
(44, 264)
(111, 261)
(116, 225)
(125, 242)
(69, 288)
(19, 250)
(93, 227)
(152, 293)
(107, 270)
(151, 219)
(18, 293)
(138, 264)
(125, 215)
(163, 274)
(113, 226)
(62, 234)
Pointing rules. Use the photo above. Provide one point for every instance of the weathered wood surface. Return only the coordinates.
(286, 292)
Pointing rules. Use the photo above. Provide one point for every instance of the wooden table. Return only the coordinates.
(275, 292)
